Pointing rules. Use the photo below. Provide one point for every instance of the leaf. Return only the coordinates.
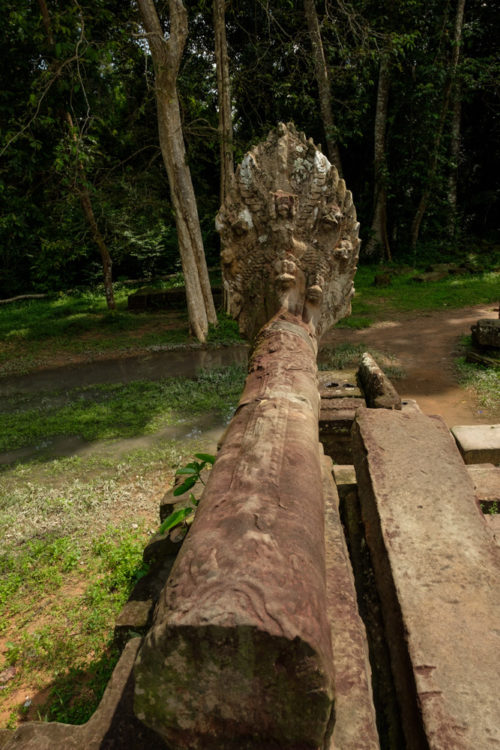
(185, 486)
(206, 457)
(186, 470)
(174, 519)
(193, 500)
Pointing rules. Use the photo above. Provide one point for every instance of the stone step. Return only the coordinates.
(478, 443)
(335, 423)
(355, 725)
(486, 481)
(436, 567)
(338, 384)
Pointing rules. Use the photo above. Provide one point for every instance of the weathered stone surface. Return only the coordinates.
(112, 727)
(5, 736)
(486, 333)
(378, 389)
(486, 479)
(335, 422)
(344, 475)
(437, 573)
(137, 614)
(240, 654)
(409, 404)
(478, 443)
(289, 235)
(338, 384)
(355, 724)
(493, 524)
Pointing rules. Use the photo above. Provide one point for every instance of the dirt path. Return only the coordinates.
(426, 344)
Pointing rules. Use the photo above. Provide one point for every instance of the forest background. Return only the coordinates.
(403, 95)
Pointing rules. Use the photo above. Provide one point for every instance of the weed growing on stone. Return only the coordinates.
(192, 473)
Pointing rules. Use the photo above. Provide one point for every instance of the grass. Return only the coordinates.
(349, 355)
(72, 531)
(49, 331)
(64, 593)
(484, 380)
(404, 294)
(118, 411)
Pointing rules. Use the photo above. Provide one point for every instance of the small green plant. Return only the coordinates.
(193, 473)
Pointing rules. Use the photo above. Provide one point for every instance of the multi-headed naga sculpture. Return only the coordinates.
(289, 236)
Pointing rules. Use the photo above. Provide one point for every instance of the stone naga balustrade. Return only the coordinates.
(239, 656)
(240, 651)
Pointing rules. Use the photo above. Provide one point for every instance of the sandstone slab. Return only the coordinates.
(436, 568)
(486, 333)
(478, 443)
(338, 384)
(378, 390)
(335, 422)
(486, 480)
(355, 723)
(493, 524)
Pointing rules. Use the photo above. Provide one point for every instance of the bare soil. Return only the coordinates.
(425, 345)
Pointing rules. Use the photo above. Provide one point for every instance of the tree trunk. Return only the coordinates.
(224, 99)
(431, 175)
(166, 56)
(379, 238)
(456, 114)
(323, 81)
(82, 189)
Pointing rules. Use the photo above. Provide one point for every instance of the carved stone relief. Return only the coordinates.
(289, 236)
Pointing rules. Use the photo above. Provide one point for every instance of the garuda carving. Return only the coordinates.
(289, 236)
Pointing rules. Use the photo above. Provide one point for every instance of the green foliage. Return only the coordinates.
(193, 473)
(117, 411)
(485, 381)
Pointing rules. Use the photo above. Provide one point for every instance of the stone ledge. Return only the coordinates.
(486, 480)
(355, 724)
(478, 443)
(436, 568)
(378, 389)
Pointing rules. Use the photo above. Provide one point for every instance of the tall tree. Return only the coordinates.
(224, 99)
(379, 238)
(167, 55)
(81, 181)
(323, 82)
(438, 134)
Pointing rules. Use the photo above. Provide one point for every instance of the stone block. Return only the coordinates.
(164, 299)
(409, 404)
(338, 384)
(478, 443)
(378, 389)
(355, 723)
(136, 615)
(335, 423)
(436, 569)
(486, 479)
(486, 333)
(493, 524)
(344, 476)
